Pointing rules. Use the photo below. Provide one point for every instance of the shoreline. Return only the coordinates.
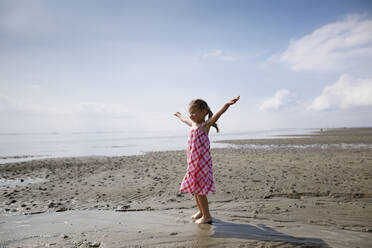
(108, 144)
(325, 138)
(329, 188)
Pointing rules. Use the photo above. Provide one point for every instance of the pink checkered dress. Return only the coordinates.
(199, 174)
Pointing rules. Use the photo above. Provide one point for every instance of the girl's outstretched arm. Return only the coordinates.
(222, 110)
(183, 118)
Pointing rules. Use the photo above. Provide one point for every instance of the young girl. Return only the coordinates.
(199, 175)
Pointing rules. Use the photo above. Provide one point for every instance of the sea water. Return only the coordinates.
(16, 147)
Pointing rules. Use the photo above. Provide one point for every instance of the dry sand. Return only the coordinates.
(289, 190)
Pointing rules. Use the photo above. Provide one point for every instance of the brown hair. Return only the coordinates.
(201, 105)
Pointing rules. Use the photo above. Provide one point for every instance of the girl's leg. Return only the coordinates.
(203, 201)
(199, 214)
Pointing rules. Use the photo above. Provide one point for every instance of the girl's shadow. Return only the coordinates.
(261, 232)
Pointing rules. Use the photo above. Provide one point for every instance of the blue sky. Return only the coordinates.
(129, 65)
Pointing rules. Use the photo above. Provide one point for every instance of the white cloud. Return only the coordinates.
(217, 54)
(102, 109)
(280, 99)
(86, 109)
(346, 93)
(11, 105)
(334, 46)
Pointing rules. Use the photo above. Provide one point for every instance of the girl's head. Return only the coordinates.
(198, 109)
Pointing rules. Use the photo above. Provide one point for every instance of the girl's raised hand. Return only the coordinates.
(231, 102)
(183, 119)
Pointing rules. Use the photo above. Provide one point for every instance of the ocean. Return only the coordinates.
(17, 147)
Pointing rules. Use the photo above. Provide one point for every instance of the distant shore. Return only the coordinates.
(323, 136)
(331, 187)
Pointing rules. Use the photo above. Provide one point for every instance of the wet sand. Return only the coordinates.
(320, 188)
(168, 228)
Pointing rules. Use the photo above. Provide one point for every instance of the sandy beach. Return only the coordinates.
(322, 182)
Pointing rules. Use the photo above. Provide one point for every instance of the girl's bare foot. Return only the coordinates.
(204, 220)
(196, 216)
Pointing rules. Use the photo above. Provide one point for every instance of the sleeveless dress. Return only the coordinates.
(199, 174)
